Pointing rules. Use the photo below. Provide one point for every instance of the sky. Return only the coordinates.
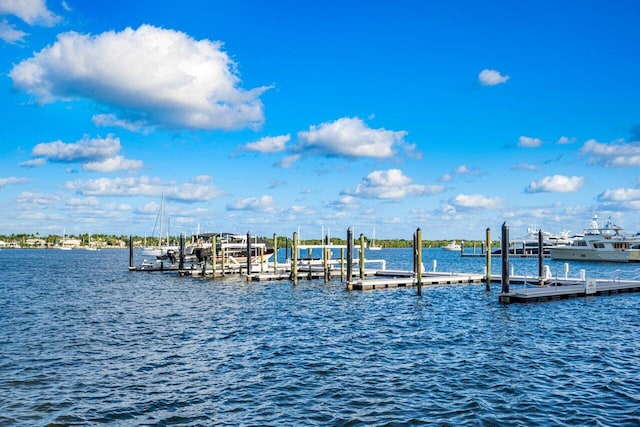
(283, 116)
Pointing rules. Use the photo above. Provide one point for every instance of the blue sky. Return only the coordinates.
(273, 117)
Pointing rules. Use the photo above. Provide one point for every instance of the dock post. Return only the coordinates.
(488, 262)
(505, 262)
(325, 258)
(540, 258)
(181, 256)
(214, 256)
(248, 253)
(462, 248)
(131, 252)
(418, 251)
(361, 256)
(342, 265)
(349, 258)
(261, 259)
(275, 253)
(294, 258)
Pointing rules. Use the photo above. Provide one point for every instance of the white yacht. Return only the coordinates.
(600, 244)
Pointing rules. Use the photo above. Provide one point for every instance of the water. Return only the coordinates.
(83, 341)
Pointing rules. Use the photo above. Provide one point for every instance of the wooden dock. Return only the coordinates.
(569, 288)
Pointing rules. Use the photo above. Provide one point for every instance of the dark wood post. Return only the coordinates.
(248, 253)
(349, 256)
(505, 259)
(131, 252)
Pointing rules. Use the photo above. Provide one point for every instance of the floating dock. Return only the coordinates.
(569, 288)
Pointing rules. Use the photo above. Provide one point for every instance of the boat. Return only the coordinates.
(606, 244)
(373, 246)
(452, 246)
(231, 249)
(62, 246)
(161, 249)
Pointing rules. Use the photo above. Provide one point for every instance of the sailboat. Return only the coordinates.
(62, 247)
(373, 246)
(160, 249)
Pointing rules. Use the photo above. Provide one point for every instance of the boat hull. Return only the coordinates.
(568, 253)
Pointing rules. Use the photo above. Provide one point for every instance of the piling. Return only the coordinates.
(418, 256)
(349, 258)
(275, 253)
(361, 256)
(325, 258)
(342, 264)
(131, 252)
(181, 255)
(505, 261)
(294, 258)
(540, 257)
(248, 253)
(214, 256)
(487, 279)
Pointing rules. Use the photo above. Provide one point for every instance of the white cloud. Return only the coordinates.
(475, 201)
(620, 195)
(10, 34)
(149, 75)
(13, 180)
(525, 167)
(85, 149)
(556, 184)
(617, 154)
(268, 144)
(30, 199)
(145, 186)
(491, 77)
(288, 161)
(113, 164)
(563, 140)
(33, 12)
(98, 154)
(350, 137)
(264, 204)
(107, 120)
(34, 162)
(527, 141)
(391, 184)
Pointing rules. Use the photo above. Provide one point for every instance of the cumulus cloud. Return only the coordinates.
(10, 34)
(491, 77)
(563, 140)
(99, 154)
(527, 141)
(350, 137)
(33, 12)
(145, 186)
(391, 184)
(33, 163)
(288, 161)
(617, 154)
(113, 164)
(264, 204)
(621, 198)
(85, 149)
(268, 144)
(475, 201)
(149, 75)
(13, 180)
(556, 184)
(110, 120)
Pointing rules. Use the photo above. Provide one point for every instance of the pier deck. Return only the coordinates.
(569, 288)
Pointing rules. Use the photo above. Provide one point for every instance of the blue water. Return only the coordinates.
(84, 342)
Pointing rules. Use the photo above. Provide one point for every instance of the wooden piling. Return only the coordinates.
(325, 259)
(294, 258)
(349, 258)
(248, 253)
(342, 264)
(540, 258)
(418, 255)
(131, 267)
(505, 262)
(487, 278)
(361, 256)
(181, 255)
(275, 253)
(214, 256)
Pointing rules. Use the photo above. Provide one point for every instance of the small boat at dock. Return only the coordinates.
(452, 246)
